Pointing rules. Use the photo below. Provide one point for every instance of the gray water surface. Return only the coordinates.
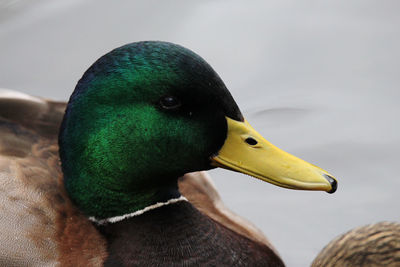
(320, 79)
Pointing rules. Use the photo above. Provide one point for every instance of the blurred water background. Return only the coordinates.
(319, 79)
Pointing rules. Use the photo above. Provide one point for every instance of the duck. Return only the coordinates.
(115, 177)
(371, 245)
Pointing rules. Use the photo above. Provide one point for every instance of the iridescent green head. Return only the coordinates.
(140, 117)
(147, 113)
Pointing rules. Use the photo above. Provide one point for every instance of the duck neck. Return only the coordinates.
(112, 196)
(127, 216)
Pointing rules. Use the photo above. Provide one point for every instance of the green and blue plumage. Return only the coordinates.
(120, 150)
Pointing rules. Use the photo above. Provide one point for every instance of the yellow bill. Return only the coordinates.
(246, 151)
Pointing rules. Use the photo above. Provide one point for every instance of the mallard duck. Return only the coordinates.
(106, 191)
(372, 245)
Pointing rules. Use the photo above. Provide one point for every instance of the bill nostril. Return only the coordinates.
(251, 141)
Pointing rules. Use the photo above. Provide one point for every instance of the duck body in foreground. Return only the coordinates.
(141, 116)
(184, 237)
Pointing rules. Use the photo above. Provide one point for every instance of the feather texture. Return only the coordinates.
(39, 224)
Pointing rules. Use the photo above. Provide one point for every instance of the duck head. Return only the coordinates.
(148, 112)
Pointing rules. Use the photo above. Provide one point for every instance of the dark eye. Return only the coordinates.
(170, 102)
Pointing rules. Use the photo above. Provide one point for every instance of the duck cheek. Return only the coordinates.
(216, 135)
(210, 140)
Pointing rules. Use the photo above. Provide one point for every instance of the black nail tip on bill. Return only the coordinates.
(333, 183)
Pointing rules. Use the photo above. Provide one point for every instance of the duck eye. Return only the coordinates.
(170, 102)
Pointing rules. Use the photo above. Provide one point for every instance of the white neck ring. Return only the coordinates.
(136, 213)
